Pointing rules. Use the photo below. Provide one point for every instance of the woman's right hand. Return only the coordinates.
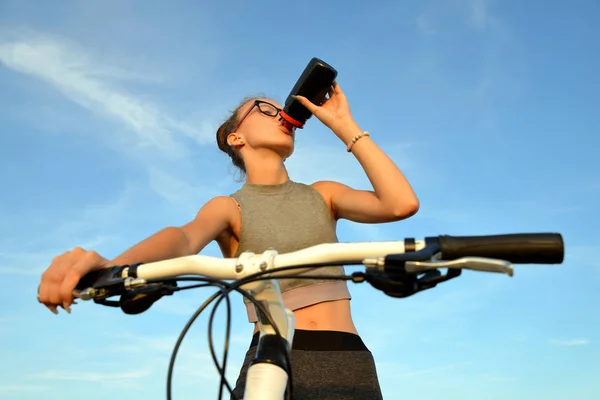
(61, 277)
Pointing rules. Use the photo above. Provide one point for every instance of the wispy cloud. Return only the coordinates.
(34, 263)
(543, 206)
(194, 361)
(161, 141)
(425, 24)
(141, 344)
(499, 378)
(478, 13)
(474, 13)
(474, 214)
(31, 252)
(404, 371)
(322, 160)
(25, 264)
(432, 370)
(179, 191)
(448, 215)
(14, 389)
(96, 86)
(162, 345)
(87, 224)
(570, 342)
(585, 257)
(311, 162)
(108, 378)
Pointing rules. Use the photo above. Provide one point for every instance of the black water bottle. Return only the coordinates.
(315, 81)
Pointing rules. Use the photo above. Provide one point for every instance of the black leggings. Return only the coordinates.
(326, 365)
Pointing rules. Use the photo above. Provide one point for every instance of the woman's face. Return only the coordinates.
(260, 126)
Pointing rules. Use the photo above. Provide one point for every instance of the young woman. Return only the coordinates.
(329, 359)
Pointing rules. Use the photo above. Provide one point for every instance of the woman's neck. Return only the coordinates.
(265, 170)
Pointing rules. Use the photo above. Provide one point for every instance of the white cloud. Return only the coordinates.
(499, 378)
(34, 263)
(571, 342)
(134, 343)
(14, 389)
(425, 24)
(584, 256)
(448, 215)
(478, 13)
(437, 17)
(318, 160)
(25, 264)
(193, 362)
(367, 232)
(543, 206)
(451, 304)
(90, 227)
(163, 344)
(378, 336)
(92, 84)
(431, 370)
(187, 303)
(175, 305)
(106, 378)
(12, 270)
(84, 224)
(161, 139)
(397, 370)
(182, 192)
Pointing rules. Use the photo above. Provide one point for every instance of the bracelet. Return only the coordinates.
(355, 139)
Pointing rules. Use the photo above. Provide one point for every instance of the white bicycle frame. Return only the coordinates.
(267, 381)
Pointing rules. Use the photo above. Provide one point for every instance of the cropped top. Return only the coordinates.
(288, 217)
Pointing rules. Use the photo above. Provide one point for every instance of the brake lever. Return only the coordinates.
(472, 263)
(136, 297)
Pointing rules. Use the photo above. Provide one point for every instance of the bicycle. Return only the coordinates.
(397, 268)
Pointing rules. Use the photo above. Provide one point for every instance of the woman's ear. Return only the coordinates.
(233, 139)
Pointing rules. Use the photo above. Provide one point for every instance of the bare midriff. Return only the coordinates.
(327, 316)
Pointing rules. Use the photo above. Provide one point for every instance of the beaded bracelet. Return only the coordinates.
(355, 139)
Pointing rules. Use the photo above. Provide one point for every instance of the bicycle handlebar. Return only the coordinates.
(397, 268)
(490, 253)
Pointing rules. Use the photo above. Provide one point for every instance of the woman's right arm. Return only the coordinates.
(61, 277)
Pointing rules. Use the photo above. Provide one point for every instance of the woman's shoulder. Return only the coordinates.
(327, 188)
(216, 216)
(219, 207)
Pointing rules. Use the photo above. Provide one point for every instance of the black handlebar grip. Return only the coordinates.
(521, 248)
(90, 279)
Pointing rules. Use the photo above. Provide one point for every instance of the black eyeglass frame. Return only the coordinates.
(257, 104)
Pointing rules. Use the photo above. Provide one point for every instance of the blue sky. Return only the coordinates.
(107, 117)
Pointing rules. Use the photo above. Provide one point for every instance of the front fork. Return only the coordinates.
(268, 372)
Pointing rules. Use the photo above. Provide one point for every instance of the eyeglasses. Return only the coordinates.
(264, 107)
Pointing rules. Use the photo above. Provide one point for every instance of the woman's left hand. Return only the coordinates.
(334, 112)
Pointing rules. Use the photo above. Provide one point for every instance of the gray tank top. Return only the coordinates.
(289, 217)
